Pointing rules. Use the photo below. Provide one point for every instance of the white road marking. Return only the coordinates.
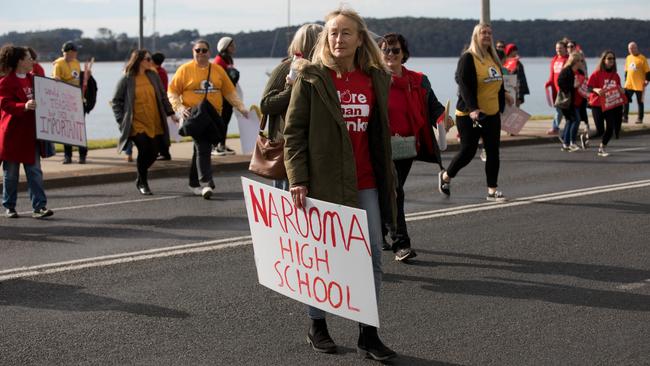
(108, 260)
(105, 204)
(629, 149)
(246, 240)
(416, 216)
(635, 285)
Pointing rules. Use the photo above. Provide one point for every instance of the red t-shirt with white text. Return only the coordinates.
(357, 97)
(602, 79)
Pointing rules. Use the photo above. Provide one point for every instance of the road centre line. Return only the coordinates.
(105, 204)
(416, 216)
(108, 260)
(211, 245)
(629, 149)
(635, 285)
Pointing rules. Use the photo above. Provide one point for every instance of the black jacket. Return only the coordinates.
(468, 85)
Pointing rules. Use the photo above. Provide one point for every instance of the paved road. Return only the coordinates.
(558, 275)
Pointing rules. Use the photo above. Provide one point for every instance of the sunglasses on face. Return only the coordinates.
(610, 58)
(570, 46)
(148, 59)
(201, 50)
(393, 50)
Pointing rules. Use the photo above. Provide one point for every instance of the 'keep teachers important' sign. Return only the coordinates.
(318, 255)
(59, 112)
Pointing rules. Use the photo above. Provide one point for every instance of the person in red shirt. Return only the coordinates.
(226, 48)
(604, 77)
(163, 146)
(18, 144)
(413, 110)
(571, 72)
(37, 69)
(557, 63)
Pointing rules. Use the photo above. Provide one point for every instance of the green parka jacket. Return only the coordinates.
(318, 150)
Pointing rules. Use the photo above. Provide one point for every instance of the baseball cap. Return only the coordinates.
(69, 46)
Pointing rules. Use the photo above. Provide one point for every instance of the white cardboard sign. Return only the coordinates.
(513, 119)
(319, 255)
(59, 112)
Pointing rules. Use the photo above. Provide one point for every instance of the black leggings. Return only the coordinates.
(147, 152)
(612, 118)
(490, 130)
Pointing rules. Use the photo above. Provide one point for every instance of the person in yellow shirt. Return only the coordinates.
(187, 89)
(68, 70)
(636, 71)
(141, 107)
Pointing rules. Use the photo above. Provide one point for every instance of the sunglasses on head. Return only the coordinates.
(393, 50)
(201, 50)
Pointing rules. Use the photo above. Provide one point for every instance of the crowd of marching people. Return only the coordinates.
(351, 116)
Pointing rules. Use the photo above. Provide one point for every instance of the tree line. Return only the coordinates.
(427, 37)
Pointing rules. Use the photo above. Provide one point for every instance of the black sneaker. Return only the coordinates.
(66, 160)
(82, 160)
(220, 150)
(42, 212)
(11, 213)
(228, 150)
(385, 245)
(443, 186)
(404, 254)
(497, 196)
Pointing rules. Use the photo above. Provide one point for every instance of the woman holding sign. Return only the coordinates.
(605, 84)
(141, 107)
(413, 112)
(18, 132)
(338, 147)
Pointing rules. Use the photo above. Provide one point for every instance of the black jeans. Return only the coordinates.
(147, 152)
(490, 130)
(400, 236)
(226, 115)
(67, 151)
(613, 119)
(639, 99)
(201, 169)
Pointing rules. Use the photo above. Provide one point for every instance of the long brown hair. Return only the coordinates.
(601, 63)
(133, 65)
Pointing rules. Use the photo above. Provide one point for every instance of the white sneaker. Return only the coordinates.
(483, 155)
(196, 191)
(206, 193)
(573, 148)
(602, 153)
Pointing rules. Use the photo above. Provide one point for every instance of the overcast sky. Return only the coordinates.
(209, 16)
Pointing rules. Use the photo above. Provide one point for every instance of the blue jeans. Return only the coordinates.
(34, 176)
(571, 126)
(557, 119)
(369, 201)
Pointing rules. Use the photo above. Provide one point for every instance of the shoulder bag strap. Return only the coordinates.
(207, 82)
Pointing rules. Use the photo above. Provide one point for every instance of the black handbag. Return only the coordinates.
(204, 122)
(563, 100)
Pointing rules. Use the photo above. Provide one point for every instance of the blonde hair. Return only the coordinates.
(304, 40)
(475, 45)
(574, 57)
(366, 57)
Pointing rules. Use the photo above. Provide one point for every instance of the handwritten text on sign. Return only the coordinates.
(319, 255)
(59, 112)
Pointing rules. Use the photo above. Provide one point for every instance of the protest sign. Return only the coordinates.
(612, 98)
(582, 88)
(59, 112)
(513, 119)
(319, 255)
(248, 130)
(510, 84)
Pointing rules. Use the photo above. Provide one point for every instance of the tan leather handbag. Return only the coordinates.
(268, 157)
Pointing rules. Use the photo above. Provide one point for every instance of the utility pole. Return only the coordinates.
(153, 36)
(141, 37)
(485, 11)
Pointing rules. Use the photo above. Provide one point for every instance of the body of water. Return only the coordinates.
(101, 123)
